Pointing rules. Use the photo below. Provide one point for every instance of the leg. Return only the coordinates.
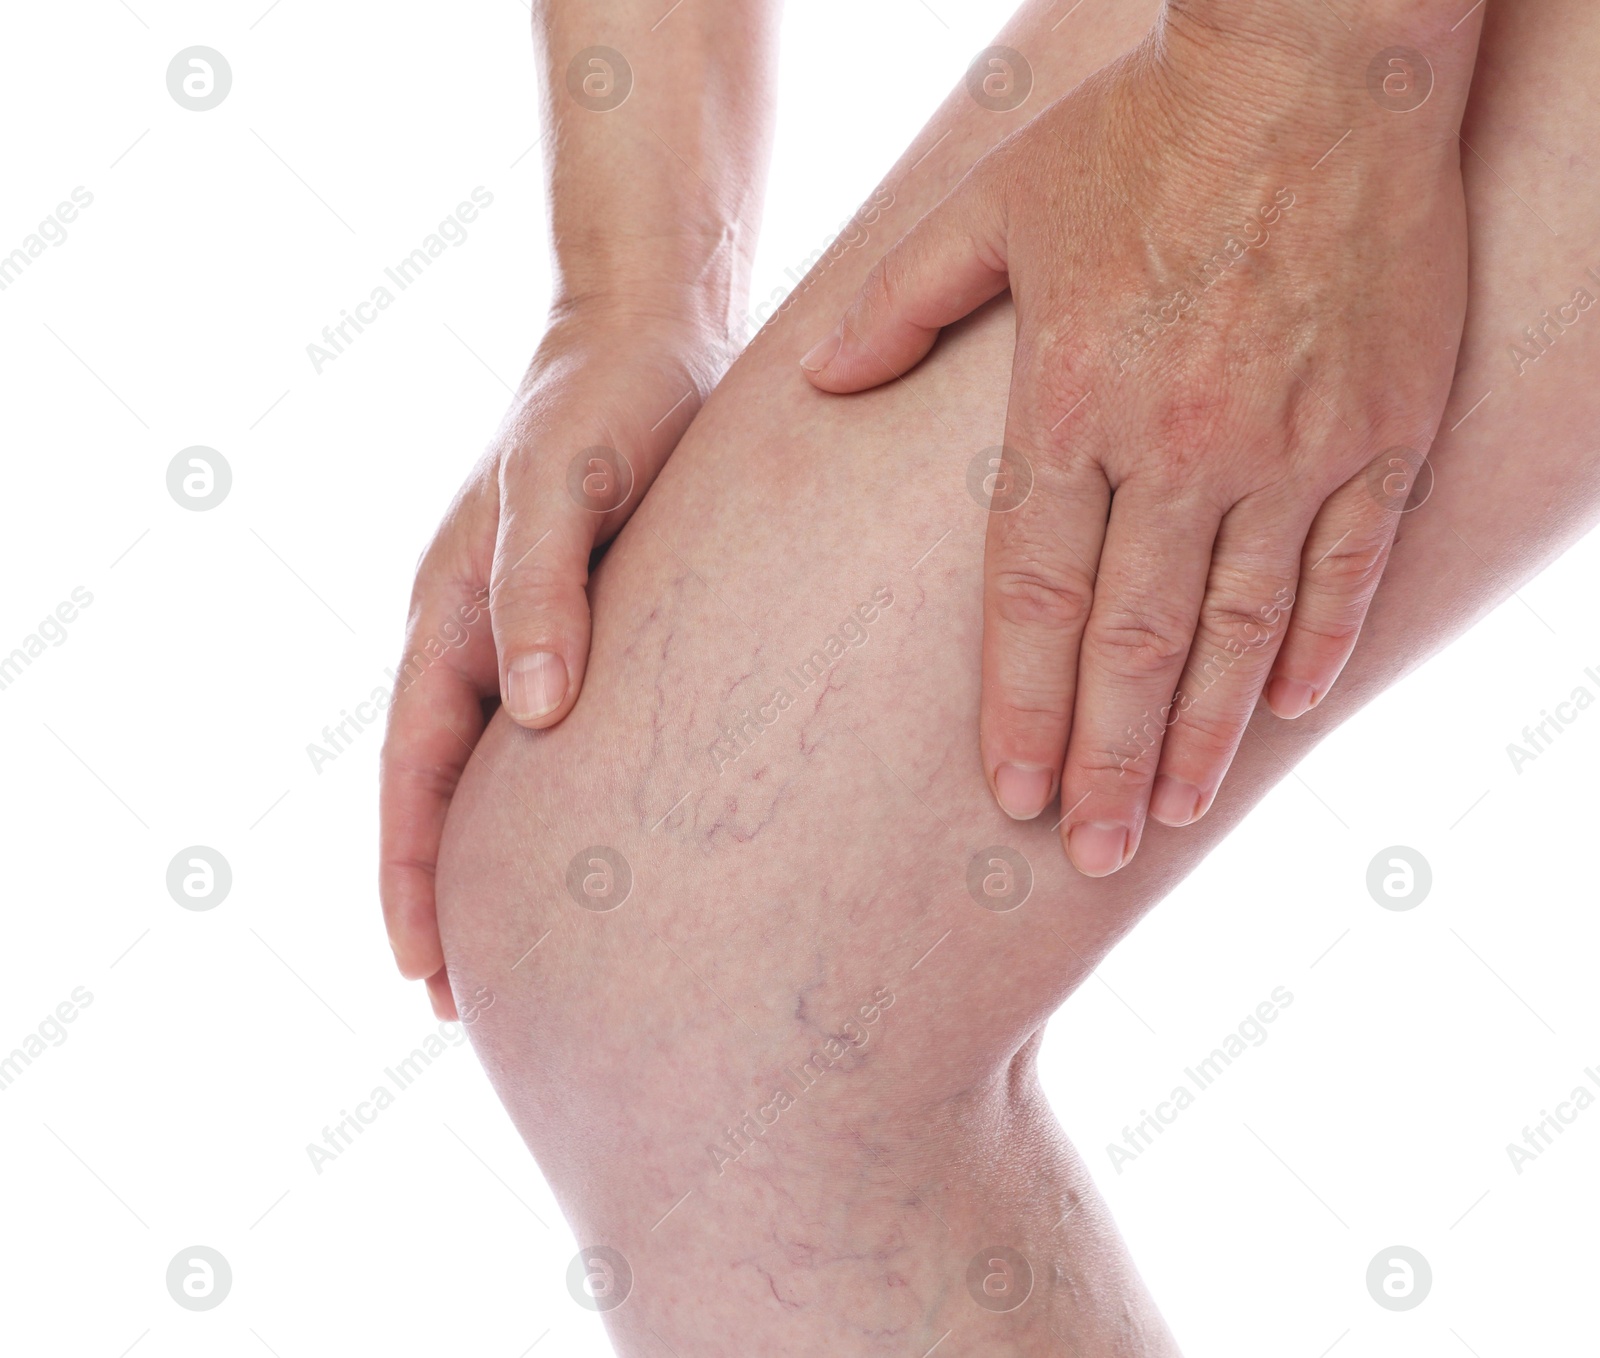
(808, 1013)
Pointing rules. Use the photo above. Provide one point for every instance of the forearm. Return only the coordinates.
(656, 163)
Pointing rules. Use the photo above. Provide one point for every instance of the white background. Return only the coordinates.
(178, 710)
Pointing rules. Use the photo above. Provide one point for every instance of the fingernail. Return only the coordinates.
(818, 357)
(1097, 848)
(1290, 698)
(535, 684)
(1173, 801)
(1022, 789)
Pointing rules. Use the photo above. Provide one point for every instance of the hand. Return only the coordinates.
(499, 607)
(1233, 351)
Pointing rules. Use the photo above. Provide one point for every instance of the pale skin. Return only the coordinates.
(1184, 480)
(1227, 445)
(776, 895)
(651, 263)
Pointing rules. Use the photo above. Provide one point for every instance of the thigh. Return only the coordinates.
(766, 815)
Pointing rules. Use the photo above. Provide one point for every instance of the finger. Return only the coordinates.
(1243, 619)
(948, 264)
(537, 595)
(1343, 561)
(1039, 573)
(1147, 600)
(435, 718)
(441, 997)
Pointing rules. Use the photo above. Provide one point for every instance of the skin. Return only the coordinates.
(1188, 473)
(654, 206)
(780, 897)
(1264, 499)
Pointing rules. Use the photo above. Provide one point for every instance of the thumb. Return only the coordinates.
(948, 264)
(538, 603)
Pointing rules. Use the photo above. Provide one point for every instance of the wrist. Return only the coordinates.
(691, 283)
(1358, 60)
(684, 330)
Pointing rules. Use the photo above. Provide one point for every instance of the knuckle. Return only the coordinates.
(1188, 429)
(1232, 623)
(1335, 628)
(426, 780)
(1029, 596)
(883, 286)
(1030, 713)
(1126, 768)
(1134, 645)
(526, 578)
(520, 462)
(1352, 567)
(545, 607)
(1207, 726)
